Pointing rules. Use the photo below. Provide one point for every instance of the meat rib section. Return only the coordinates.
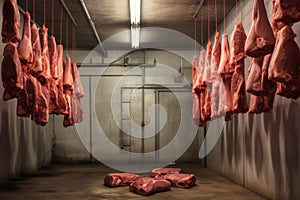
(253, 85)
(119, 179)
(285, 62)
(237, 55)
(225, 68)
(11, 72)
(36, 67)
(260, 40)
(25, 46)
(41, 112)
(181, 180)
(286, 11)
(10, 22)
(78, 89)
(45, 75)
(148, 186)
(68, 80)
(207, 65)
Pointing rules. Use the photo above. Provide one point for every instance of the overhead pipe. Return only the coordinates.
(68, 11)
(93, 26)
(198, 8)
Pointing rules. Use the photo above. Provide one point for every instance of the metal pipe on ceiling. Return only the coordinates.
(93, 26)
(68, 11)
(198, 8)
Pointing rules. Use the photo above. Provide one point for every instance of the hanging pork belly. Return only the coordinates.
(10, 22)
(36, 67)
(25, 46)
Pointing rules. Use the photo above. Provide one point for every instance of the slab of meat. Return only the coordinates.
(28, 96)
(290, 91)
(238, 88)
(53, 91)
(10, 22)
(260, 40)
(207, 65)
(77, 109)
(41, 112)
(25, 47)
(62, 107)
(53, 57)
(198, 84)
(36, 67)
(194, 72)
(205, 104)
(45, 75)
(148, 186)
(224, 67)
(60, 64)
(119, 179)
(256, 104)
(237, 44)
(196, 110)
(237, 55)
(11, 72)
(266, 84)
(78, 90)
(68, 80)
(216, 78)
(285, 62)
(164, 171)
(181, 180)
(286, 11)
(254, 80)
(69, 117)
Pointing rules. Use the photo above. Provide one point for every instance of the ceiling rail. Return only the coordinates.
(68, 11)
(198, 8)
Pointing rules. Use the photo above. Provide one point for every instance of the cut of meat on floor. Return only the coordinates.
(286, 11)
(11, 72)
(260, 41)
(36, 67)
(120, 179)
(181, 180)
(147, 186)
(285, 62)
(10, 22)
(25, 46)
(164, 171)
(237, 55)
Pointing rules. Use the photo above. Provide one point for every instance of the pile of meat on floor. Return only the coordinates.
(35, 73)
(218, 76)
(160, 180)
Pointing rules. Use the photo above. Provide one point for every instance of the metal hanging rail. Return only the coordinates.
(68, 11)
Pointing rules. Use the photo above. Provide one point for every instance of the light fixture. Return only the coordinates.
(135, 11)
(135, 35)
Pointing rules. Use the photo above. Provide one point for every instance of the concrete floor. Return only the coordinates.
(85, 181)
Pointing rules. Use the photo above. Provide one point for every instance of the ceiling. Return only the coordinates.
(112, 16)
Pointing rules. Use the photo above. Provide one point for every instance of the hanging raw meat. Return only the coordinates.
(53, 91)
(216, 78)
(237, 62)
(205, 105)
(78, 113)
(286, 11)
(147, 186)
(25, 47)
(260, 40)
(290, 91)
(11, 72)
(45, 75)
(62, 107)
(199, 84)
(285, 62)
(69, 117)
(207, 65)
(68, 80)
(27, 99)
(266, 84)
(36, 67)
(253, 85)
(53, 57)
(256, 104)
(78, 90)
(41, 112)
(224, 67)
(194, 72)
(10, 22)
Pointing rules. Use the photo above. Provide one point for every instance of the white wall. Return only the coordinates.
(261, 152)
(24, 147)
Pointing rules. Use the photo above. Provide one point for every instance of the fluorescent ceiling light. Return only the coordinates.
(135, 11)
(135, 36)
